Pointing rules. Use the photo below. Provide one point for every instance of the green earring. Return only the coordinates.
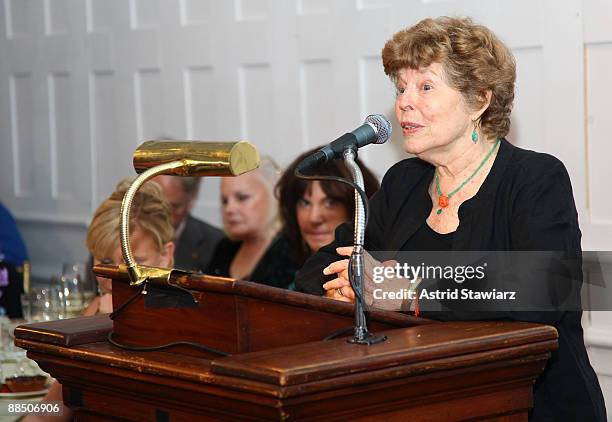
(474, 136)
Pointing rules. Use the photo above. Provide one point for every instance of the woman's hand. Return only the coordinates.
(340, 288)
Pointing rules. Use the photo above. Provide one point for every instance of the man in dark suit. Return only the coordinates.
(195, 240)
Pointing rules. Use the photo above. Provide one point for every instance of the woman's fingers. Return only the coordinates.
(339, 289)
(336, 283)
(347, 292)
(336, 267)
(336, 296)
(344, 250)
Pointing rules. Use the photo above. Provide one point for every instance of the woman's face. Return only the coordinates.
(246, 204)
(145, 252)
(318, 216)
(433, 116)
(179, 200)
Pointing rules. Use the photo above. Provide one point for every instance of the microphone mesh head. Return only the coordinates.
(381, 125)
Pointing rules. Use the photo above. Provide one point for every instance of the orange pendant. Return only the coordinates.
(443, 201)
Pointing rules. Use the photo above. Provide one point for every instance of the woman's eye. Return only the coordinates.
(242, 197)
(224, 201)
(330, 203)
(302, 203)
(427, 87)
(399, 91)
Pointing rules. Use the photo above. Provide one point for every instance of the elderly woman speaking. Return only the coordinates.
(468, 189)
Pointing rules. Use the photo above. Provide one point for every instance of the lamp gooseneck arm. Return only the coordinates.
(136, 274)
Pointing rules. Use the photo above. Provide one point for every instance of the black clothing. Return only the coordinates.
(524, 204)
(275, 268)
(11, 288)
(195, 246)
(427, 239)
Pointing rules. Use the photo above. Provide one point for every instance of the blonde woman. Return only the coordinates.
(151, 235)
(253, 249)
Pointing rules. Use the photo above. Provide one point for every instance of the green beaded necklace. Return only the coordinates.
(443, 200)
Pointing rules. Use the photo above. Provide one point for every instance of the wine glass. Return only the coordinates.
(42, 304)
(72, 288)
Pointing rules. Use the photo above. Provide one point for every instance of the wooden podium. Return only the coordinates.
(280, 367)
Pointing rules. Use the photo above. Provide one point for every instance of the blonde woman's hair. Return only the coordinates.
(149, 211)
(270, 171)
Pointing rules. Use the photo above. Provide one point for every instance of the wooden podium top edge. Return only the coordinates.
(67, 332)
(315, 361)
(223, 285)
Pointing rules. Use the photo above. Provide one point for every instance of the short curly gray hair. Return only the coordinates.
(474, 61)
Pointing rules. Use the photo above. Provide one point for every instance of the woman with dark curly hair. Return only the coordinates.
(469, 189)
(311, 210)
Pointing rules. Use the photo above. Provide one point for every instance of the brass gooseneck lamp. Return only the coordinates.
(180, 158)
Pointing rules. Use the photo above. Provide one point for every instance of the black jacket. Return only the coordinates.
(196, 245)
(525, 204)
(275, 268)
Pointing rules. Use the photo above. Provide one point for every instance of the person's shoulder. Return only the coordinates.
(281, 244)
(5, 215)
(532, 164)
(222, 256)
(532, 171)
(277, 268)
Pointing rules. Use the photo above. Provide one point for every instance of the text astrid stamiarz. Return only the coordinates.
(415, 274)
(448, 294)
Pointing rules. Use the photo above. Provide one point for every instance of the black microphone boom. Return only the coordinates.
(375, 130)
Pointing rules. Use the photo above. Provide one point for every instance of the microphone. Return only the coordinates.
(375, 130)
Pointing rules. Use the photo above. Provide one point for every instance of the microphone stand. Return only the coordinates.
(356, 263)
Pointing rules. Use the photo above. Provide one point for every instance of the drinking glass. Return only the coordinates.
(72, 289)
(42, 304)
(26, 306)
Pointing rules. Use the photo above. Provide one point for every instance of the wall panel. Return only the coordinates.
(98, 15)
(22, 136)
(149, 104)
(19, 17)
(316, 88)
(63, 152)
(144, 14)
(194, 12)
(599, 106)
(527, 129)
(251, 9)
(110, 157)
(305, 7)
(200, 103)
(56, 17)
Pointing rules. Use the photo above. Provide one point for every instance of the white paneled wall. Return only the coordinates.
(83, 82)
